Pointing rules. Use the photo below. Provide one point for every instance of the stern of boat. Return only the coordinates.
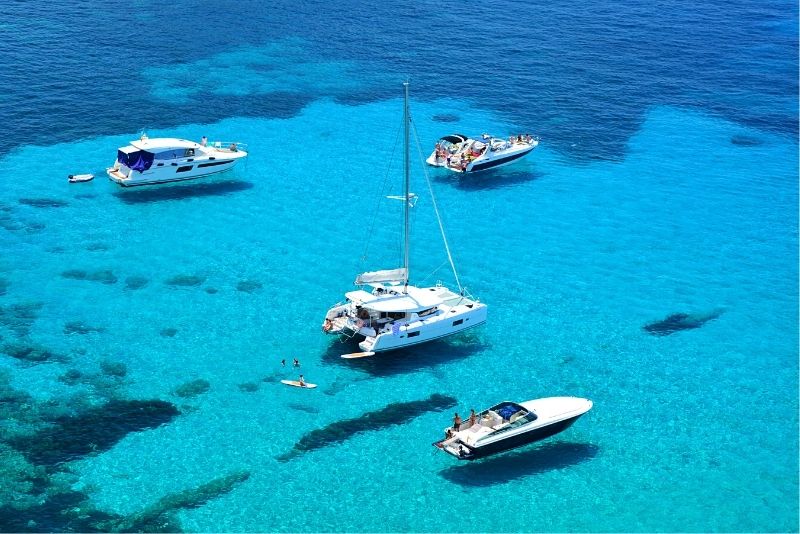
(118, 174)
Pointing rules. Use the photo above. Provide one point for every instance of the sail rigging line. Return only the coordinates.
(407, 175)
(383, 190)
(436, 208)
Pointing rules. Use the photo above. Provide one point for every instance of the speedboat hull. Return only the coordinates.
(462, 154)
(553, 415)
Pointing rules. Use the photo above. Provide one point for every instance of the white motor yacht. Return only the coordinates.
(159, 160)
(391, 313)
(460, 153)
(509, 425)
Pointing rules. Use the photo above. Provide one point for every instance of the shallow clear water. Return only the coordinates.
(620, 218)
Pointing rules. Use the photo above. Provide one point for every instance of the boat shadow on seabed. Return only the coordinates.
(409, 359)
(486, 180)
(515, 465)
(145, 194)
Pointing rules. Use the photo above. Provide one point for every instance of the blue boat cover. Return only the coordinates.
(507, 410)
(138, 161)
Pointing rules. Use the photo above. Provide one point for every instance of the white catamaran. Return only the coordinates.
(393, 314)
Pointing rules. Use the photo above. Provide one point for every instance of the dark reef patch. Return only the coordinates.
(249, 286)
(44, 202)
(193, 388)
(32, 354)
(745, 140)
(248, 387)
(71, 378)
(58, 249)
(115, 369)
(680, 321)
(168, 332)
(212, 290)
(94, 430)
(136, 282)
(62, 510)
(445, 117)
(97, 247)
(77, 327)
(394, 414)
(104, 276)
(20, 317)
(185, 280)
(303, 407)
(161, 511)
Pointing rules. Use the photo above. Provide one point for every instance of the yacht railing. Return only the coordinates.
(228, 145)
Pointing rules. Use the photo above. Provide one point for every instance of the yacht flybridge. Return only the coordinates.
(160, 160)
(387, 311)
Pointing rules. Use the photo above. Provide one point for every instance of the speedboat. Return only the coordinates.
(160, 160)
(390, 313)
(460, 153)
(509, 425)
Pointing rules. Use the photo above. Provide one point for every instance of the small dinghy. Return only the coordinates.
(75, 178)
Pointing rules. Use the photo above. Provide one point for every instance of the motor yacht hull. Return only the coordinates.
(147, 161)
(173, 173)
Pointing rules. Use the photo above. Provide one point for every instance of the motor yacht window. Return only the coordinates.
(188, 153)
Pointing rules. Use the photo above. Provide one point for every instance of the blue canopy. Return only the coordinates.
(507, 410)
(139, 160)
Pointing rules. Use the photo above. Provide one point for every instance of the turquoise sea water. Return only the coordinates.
(675, 209)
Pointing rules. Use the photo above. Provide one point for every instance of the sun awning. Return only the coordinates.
(414, 300)
(389, 275)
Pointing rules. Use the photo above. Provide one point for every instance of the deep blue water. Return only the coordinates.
(666, 184)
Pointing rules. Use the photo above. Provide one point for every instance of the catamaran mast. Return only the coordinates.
(406, 121)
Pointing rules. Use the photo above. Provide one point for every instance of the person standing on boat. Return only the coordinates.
(456, 422)
(472, 418)
(204, 141)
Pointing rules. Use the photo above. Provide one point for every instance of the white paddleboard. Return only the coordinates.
(296, 384)
(358, 355)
